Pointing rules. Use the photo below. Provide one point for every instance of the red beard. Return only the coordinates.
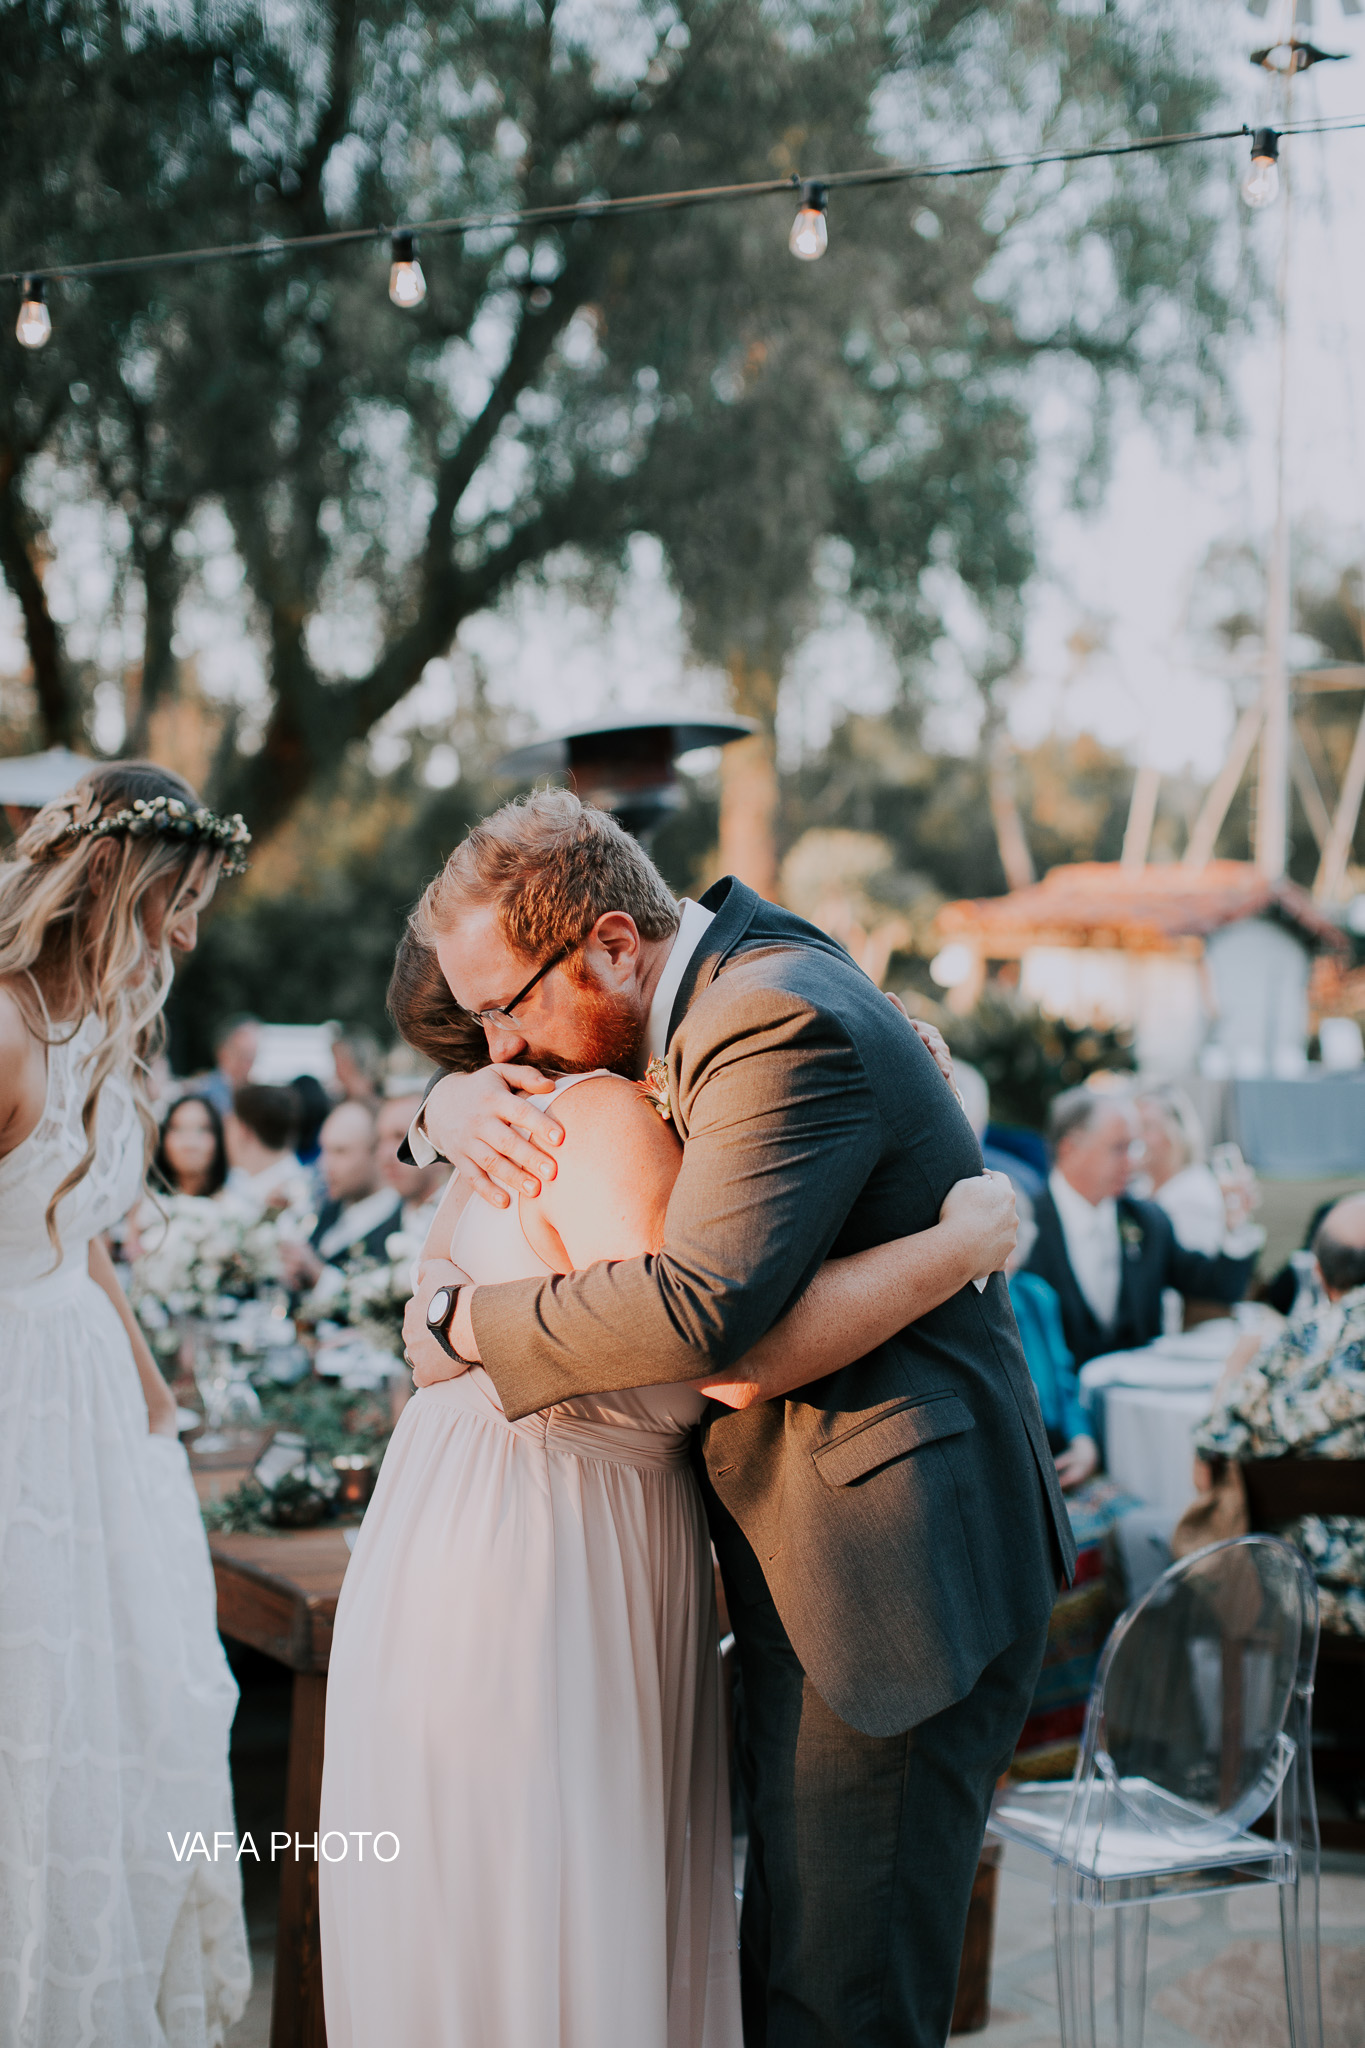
(611, 1032)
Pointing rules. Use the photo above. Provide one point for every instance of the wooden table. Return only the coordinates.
(278, 1593)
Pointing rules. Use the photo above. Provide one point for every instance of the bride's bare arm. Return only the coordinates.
(161, 1408)
(854, 1304)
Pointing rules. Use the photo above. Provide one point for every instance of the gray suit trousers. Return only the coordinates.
(862, 1849)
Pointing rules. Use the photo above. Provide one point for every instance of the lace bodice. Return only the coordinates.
(30, 1173)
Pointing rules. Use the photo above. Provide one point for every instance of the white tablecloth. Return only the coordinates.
(1147, 1405)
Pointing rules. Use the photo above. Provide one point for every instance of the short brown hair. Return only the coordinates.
(271, 1114)
(551, 866)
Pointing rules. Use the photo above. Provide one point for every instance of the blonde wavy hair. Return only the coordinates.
(72, 928)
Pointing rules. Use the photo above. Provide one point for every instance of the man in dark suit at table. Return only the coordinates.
(1108, 1255)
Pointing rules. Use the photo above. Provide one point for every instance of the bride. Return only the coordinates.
(115, 1697)
(524, 1701)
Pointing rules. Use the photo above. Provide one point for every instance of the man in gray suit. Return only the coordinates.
(891, 1537)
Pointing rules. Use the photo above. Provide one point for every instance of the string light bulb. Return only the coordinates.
(407, 286)
(1261, 185)
(809, 237)
(34, 325)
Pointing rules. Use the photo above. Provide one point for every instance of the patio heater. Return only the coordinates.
(628, 767)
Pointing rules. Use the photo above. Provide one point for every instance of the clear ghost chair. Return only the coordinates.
(1198, 1729)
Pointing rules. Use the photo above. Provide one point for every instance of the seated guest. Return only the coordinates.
(261, 1133)
(1181, 1181)
(418, 1188)
(1051, 1366)
(1302, 1395)
(191, 1155)
(1084, 1611)
(1107, 1255)
(360, 1213)
(235, 1045)
(973, 1092)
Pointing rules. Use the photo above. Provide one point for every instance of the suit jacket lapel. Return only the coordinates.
(1134, 1273)
(733, 907)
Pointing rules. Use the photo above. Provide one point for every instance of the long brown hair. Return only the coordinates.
(72, 928)
(427, 1015)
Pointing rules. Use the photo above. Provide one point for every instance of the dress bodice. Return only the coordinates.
(30, 1174)
(490, 1245)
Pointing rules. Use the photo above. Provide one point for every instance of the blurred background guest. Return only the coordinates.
(1302, 1395)
(1084, 1611)
(358, 1064)
(315, 1106)
(418, 1188)
(975, 1096)
(1107, 1255)
(235, 1045)
(1051, 1366)
(191, 1153)
(1202, 1207)
(261, 1132)
(361, 1211)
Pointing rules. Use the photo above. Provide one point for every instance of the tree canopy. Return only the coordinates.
(385, 475)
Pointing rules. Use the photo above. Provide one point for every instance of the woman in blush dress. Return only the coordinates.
(524, 1716)
(115, 1697)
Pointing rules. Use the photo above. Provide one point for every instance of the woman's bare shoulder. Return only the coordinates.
(607, 1108)
(17, 1036)
(615, 1171)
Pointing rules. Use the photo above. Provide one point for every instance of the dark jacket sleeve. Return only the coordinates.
(782, 1132)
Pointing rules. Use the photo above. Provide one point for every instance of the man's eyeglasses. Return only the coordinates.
(503, 1014)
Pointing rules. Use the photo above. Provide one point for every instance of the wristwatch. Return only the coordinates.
(440, 1312)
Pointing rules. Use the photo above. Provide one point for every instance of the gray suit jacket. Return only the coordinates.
(905, 1510)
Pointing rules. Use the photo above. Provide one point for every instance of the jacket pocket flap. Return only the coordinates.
(871, 1444)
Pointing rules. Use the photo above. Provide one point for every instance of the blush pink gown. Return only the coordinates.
(524, 1691)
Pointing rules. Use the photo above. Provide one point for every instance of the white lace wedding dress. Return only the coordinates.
(115, 1697)
(524, 1691)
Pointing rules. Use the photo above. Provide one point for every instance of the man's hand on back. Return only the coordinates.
(429, 1362)
(492, 1135)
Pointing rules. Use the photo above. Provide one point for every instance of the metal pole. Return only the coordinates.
(1272, 793)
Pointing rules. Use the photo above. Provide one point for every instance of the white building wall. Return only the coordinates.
(1259, 976)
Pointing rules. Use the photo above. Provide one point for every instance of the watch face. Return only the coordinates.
(438, 1308)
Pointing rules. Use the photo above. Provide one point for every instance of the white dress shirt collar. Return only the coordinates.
(1091, 1234)
(688, 937)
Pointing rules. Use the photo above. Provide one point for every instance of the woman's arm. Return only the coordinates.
(161, 1410)
(853, 1305)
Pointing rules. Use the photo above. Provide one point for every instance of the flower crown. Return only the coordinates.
(165, 816)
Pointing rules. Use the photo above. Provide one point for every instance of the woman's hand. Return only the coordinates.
(163, 1414)
(1078, 1462)
(982, 1211)
(494, 1138)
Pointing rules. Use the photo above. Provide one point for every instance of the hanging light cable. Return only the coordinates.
(34, 325)
(809, 237)
(407, 286)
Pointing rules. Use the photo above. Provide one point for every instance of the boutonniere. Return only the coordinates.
(654, 1087)
(1131, 1232)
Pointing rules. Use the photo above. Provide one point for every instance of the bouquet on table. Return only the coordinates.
(197, 1257)
(357, 1308)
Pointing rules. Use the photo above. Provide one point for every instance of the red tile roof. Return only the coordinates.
(1149, 909)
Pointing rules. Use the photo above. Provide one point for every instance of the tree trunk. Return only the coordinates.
(161, 589)
(748, 782)
(1015, 858)
(56, 711)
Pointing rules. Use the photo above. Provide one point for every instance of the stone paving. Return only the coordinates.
(1214, 1969)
